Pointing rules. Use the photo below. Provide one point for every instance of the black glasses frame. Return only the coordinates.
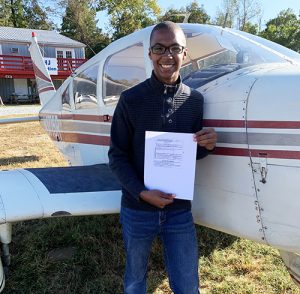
(167, 48)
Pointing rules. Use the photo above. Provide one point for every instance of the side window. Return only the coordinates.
(123, 70)
(85, 88)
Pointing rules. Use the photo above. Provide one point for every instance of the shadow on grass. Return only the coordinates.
(98, 263)
(209, 240)
(17, 159)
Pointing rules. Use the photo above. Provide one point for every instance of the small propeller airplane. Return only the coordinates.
(249, 187)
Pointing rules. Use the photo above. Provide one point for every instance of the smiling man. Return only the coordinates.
(167, 51)
(161, 103)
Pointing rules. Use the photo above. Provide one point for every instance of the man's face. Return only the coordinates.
(166, 66)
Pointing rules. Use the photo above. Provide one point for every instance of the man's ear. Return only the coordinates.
(184, 54)
(149, 53)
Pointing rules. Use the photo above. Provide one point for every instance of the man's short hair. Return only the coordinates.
(166, 25)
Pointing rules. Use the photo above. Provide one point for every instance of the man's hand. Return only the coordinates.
(157, 198)
(206, 138)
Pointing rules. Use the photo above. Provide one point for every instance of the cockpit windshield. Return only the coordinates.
(215, 51)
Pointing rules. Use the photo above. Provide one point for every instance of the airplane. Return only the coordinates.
(248, 187)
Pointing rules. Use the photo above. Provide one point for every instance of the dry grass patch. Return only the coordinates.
(27, 145)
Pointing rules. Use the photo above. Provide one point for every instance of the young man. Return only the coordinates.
(161, 103)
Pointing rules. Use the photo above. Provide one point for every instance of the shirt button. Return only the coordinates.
(170, 110)
(169, 100)
(170, 121)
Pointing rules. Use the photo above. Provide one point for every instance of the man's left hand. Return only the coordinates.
(206, 138)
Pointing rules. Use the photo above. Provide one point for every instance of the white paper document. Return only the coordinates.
(170, 160)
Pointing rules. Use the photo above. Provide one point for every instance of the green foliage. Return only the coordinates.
(251, 28)
(23, 14)
(197, 13)
(5, 14)
(192, 13)
(284, 29)
(128, 16)
(36, 17)
(175, 15)
(79, 23)
(17, 13)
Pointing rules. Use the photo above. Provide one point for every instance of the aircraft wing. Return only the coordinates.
(18, 120)
(46, 192)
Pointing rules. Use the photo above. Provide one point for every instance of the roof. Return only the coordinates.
(44, 37)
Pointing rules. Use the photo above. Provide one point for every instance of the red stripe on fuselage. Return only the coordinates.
(280, 154)
(84, 139)
(223, 123)
(218, 123)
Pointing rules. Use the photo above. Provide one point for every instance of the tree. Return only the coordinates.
(192, 13)
(227, 13)
(246, 11)
(79, 23)
(23, 14)
(17, 13)
(127, 16)
(175, 15)
(36, 17)
(284, 30)
(197, 13)
(5, 14)
(239, 14)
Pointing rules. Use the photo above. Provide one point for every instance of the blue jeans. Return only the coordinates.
(177, 232)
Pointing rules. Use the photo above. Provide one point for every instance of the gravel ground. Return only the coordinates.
(19, 109)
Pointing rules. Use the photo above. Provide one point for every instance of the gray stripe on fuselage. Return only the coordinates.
(259, 138)
(85, 127)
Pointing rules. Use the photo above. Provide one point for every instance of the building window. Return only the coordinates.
(123, 70)
(14, 50)
(68, 54)
(59, 54)
(85, 88)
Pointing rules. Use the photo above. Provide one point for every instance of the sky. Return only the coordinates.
(271, 8)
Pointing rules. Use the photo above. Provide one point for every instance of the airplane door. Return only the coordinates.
(274, 138)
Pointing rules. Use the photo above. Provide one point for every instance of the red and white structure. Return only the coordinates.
(17, 79)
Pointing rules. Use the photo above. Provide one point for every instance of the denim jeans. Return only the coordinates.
(177, 232)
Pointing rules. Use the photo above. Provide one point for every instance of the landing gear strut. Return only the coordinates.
(5, 239)
(292, 263)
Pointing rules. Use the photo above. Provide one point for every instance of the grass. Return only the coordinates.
(93, 257)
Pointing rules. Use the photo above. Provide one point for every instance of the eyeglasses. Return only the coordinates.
(160, 49)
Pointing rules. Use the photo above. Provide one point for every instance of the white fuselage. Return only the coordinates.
(249, 186)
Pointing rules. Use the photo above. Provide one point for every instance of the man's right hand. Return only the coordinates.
(157, 198)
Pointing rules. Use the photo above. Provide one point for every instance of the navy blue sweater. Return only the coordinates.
(150, 106)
